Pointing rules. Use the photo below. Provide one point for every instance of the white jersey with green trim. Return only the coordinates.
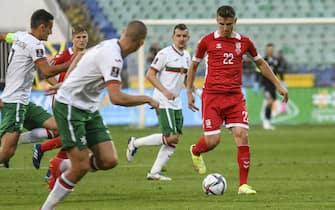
(98, 67)
(172, 65)
(26, 49)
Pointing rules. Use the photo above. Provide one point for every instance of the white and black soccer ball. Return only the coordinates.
(214, 184)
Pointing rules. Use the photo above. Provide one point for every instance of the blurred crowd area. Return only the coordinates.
(307, 49)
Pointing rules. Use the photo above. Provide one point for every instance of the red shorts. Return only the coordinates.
(223, 107)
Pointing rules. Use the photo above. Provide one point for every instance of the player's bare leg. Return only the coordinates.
(8, 147)
(104, 157)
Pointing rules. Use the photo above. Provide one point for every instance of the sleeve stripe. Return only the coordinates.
(40, 60)
(257, 57)
(153, 68)
(196, 59)
(112, 82)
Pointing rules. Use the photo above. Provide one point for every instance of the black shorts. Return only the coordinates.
(270, 93)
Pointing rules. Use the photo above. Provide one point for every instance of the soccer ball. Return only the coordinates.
(214, 184)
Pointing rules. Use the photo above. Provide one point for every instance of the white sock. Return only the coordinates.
(58, 193)
(35, 135)
(64, 165)
(163, 156)
(151, 140)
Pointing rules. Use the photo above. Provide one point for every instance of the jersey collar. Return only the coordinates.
(237, 35)
(181, 53)
(71, 50)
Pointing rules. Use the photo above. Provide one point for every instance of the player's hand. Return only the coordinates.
(52, 89)
(283, 92)
(190, 99)
(169, 95)
(1, 104)
(154, 105)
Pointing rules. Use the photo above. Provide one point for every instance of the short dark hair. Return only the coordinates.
(39, 17)
(226, 11)
(269, 45)
(180, 26)
(136, 30)
(76, 29)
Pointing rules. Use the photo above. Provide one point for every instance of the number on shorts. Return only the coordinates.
(245, 116)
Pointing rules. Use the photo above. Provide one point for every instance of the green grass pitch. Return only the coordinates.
(292, 168)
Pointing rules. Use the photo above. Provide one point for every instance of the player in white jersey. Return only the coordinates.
(27, 52)
(76, 108)
(167, 74)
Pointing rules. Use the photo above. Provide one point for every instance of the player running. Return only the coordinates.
(27, 54)
(167, 74)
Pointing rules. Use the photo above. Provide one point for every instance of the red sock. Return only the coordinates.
(200, 147)
(243, 159)
(62, 154)
(51, 144)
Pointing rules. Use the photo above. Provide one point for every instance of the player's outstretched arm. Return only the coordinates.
(1, 104)
(151, 76)
(268, 73)
(52, 80)
(53, 89)
(7, 37)
(120, 98)
(49, 71)
(3, 36)
(75, 60)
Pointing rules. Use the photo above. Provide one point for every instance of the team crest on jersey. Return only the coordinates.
(39, 52)
(238, 47)
(218, 46)
(115, 71)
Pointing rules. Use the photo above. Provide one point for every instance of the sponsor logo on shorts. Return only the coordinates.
(208, 123)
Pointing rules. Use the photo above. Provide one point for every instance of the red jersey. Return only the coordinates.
(224, 61)
(65, 56)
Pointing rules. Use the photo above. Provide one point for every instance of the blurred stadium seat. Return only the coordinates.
(304, 46)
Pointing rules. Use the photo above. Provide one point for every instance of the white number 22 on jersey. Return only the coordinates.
(228, 58)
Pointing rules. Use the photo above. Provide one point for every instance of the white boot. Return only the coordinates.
(267, 125)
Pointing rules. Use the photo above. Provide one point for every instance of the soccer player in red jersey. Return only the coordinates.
(79, 39)
(222, 98)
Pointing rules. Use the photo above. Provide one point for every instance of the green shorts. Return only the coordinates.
(79, 128)
(171, 121)
(35, 117)
(16, 116)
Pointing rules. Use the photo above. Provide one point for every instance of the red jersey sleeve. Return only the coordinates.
(201, 50)
(65, 56)
(58, 59)
(252, 50)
